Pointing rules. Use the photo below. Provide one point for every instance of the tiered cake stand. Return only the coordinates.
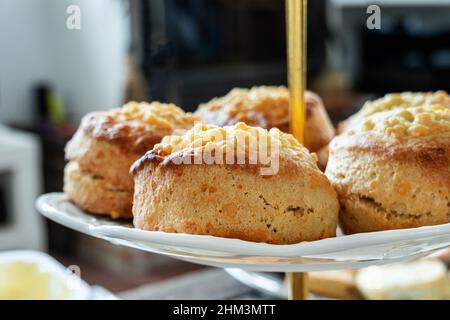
(343, 252)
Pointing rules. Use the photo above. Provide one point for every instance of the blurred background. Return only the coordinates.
(186, 52)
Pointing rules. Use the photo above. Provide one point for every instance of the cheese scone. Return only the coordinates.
(211, 181)
(268, 107)
(391, 164)
(104, 147)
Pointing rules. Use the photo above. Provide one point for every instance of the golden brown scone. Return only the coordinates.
(96, 194)
(292, 204)
(105, 146)
(268, 107)
(391, 168)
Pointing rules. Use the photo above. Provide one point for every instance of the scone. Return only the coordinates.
(209, 182)
(393, 101)
(104, 147)
(268, 107)
(391, 168)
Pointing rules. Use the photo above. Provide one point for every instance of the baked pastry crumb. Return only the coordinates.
(206, 137)
(232, 199)
(268, 107)
(391, 164)
(105, 146)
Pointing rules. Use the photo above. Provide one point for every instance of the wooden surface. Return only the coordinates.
(334, 284)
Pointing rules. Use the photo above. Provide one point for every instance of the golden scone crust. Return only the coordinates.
(268, 107)
(233, 200)
(107, 143)
(96, 194)
(391, 168)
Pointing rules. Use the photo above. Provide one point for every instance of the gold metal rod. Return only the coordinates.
(296, 57)
(297, 285)
(296, 30)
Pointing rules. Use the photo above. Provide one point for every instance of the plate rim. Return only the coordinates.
(235, 246)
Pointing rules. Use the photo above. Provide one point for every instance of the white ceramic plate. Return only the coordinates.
(342, 252)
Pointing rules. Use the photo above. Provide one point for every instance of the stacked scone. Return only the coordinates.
(391, 164)
(214, 181)
(104, 147)
(268, 107)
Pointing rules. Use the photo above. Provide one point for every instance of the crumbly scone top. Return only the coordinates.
(405, 100)
(163, 116)
(404, 115)
(414, 122)
(245, 105)
(137, 126)
(207, 137)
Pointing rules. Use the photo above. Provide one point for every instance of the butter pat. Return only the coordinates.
(425, 279)
(29, 275)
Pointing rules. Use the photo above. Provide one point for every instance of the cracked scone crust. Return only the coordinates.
(234, 201)
(105, 146)
(268, 107)
(391, 169)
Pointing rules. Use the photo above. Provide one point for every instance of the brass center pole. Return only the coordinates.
(296, 12)
(296, 60)
(298, 285)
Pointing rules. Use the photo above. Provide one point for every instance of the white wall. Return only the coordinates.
(86, 66)
(22, 56)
